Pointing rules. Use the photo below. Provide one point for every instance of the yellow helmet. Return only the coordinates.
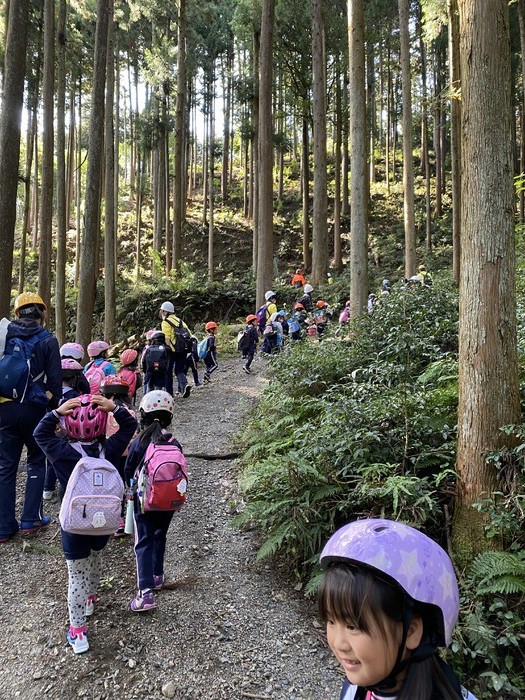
(422, 267)
(28, 299)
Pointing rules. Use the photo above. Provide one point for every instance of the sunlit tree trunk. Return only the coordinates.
(358, 148)
(179, 193)
(265, 237)
(211, 261)
(110, 271)
(455, 134)
(90, 240)
(488, 363)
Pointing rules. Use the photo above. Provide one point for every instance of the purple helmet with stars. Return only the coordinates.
(404, 557)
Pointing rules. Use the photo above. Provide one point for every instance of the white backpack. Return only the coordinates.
(93, 499)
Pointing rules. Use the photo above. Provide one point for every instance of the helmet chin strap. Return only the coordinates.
(422, 652)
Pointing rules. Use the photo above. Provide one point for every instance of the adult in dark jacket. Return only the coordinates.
(19, 418)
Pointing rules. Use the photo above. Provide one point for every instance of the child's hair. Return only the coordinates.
(152, 424)
(358, 597)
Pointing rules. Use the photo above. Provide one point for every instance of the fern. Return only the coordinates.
(499, 572)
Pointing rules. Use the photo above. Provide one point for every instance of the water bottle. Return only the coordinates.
(129, 526)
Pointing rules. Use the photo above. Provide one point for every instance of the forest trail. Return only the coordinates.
(226, 627)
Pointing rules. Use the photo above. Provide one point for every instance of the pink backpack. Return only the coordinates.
(93, 499)
(129, 376)
(163, 479)
(95, 374)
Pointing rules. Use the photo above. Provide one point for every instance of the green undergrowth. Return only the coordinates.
(364, 425)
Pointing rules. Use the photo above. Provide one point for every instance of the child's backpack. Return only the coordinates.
(270, 330)
(95, 375)
(293, 325)
(182, 342)
(163, 479)
(130, 377)
(243, 340)
(202, 348)
(157, 359)
(261, 314)
(344, 315)
(93, 499)
(16, 382)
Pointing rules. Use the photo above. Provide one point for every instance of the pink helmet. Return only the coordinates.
(128, 357)
(87, 421)
(72, 350)
(150, 333)
(406, 558)
(97, 347)
(70, 364)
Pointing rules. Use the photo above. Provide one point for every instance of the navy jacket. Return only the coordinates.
(46, 356)
(63, 455)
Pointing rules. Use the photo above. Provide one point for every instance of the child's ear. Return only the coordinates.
(415, 633)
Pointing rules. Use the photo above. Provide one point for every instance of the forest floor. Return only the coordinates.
(226, 626)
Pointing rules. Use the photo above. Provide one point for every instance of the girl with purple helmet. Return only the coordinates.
(389, 599)
(84, 419)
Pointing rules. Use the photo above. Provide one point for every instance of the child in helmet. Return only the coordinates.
(130, 373)
(151, 527)
(250, 341)
(73, 383)
(75, 351)
(156, 363)
(192, 362)
(389, 599)
(84, 419)
(99, 366)
(306, 299)
(210, 359)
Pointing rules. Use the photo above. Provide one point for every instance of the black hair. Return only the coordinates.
(73, 379)
(358, 597)
(32, 311)
(152, 425)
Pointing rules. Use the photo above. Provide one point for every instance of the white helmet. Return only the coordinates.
(269, 294)
(157, 400)
(168, 306)
(308, 288)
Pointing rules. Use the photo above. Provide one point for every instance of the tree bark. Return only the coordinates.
(338, 120)
(408, 158)
(265, 236)
(254, 189)
(90, 241)
(455, 134)
(211, 159)
(320, 206)
(46, 196)
(358, 148)
(110, 272)
(179, 193)
(60, 281)
(12, 98)
(488, 363)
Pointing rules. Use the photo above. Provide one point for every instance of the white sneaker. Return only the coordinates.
(77, 638)
(48, 495)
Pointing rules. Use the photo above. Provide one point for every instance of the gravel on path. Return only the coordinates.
(226, 626)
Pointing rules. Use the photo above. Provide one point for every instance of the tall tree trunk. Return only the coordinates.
(254, 189)
(265, 163)
(371, 104)
(110, 272)
(455, 134)
(305, 171)
(179, 190)
(438, 115)
(488, 363)
(78, 191)
(90, 241)
(138, 212)
(408, 157)
(60, 280)
(345, 196)
(211, 159)
(320, 208)
(227, 82)
(338, 256)
(358, 148)
(521, 19)
(46, 197)
(70, 171)
(424, 137)
(12, 98)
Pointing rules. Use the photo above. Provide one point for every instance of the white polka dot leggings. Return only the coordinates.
(84, 576)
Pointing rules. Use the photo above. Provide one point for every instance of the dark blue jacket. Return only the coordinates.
(45, 359)
(63, 455)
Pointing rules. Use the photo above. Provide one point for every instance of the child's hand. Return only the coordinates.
(106, 405)
(67, 407)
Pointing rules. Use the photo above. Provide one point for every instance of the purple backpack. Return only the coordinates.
(163, 479)
(93, 499)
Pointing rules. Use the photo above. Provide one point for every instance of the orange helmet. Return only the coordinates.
(299, 306)
(251, 317)
(211, 325)
(321, 304)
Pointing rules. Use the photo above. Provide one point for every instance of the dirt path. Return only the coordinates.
(226, 627)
